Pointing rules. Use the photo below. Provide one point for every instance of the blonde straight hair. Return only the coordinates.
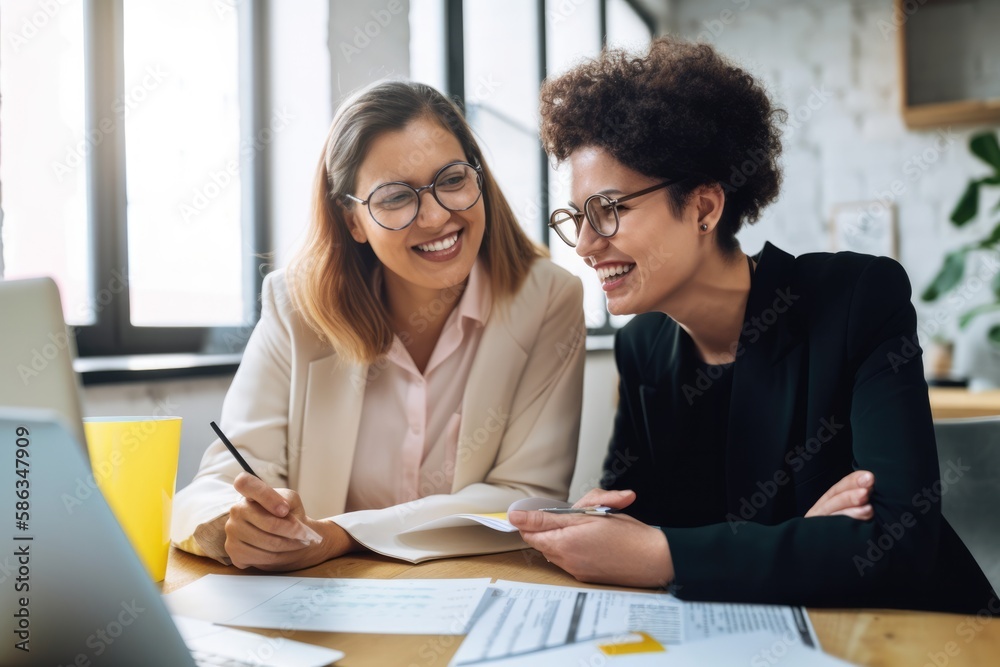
(330, 279)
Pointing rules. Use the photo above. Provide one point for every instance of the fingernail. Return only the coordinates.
(283, 510)
(866, 479)
(624, 492)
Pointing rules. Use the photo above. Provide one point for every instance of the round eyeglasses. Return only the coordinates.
(601, 212)
(456, 186)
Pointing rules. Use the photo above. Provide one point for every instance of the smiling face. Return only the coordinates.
(438, 250)
(645, 265)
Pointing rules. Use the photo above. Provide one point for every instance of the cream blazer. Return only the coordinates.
(294, 409)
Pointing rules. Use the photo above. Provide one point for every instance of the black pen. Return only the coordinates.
(232, 450)
(312, 535)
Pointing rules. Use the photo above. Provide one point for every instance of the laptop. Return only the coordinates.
(74, 590)
(37, 351)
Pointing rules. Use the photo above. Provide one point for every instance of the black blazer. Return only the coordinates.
(828, 379)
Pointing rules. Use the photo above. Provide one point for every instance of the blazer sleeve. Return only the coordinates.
(257, 419)
(537, 451)
(839, 561)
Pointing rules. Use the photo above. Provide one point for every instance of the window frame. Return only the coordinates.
(455, 80)
(113, 334)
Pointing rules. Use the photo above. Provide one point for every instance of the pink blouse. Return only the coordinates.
(408, 436)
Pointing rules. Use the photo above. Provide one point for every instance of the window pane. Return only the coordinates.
(501, 100)
(183, 151)
(574, 33)
(44, 148)
(625, 28)
(427, 43)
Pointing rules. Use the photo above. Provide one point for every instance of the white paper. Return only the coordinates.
(497, 521)
(204, 637)
(703, 620)
(741, 649)
(385, 606)
(520, 619)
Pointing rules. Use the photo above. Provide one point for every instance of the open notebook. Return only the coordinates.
(496, 521)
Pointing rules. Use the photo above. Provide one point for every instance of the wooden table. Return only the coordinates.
(869, 637)
(954, 403)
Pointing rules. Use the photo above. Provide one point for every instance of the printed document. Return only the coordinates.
(520, 619)
(385, 606)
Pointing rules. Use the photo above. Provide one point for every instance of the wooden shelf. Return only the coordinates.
(957, 403)
(966, 112)
(981, 107)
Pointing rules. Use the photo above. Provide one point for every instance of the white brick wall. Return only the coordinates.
(855, 145)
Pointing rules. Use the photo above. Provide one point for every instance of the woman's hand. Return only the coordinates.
(612, 549)
(269, 530)
(850, 496)
(616, 499)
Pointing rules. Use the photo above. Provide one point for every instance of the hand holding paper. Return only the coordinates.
(616, 499)
(593, 548)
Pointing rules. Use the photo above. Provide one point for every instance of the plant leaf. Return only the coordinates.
(949, 276)
(964, 320)
(994, 335)
(992, 239)
(985, 147)
(968, 206)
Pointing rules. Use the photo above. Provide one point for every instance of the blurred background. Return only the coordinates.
(157, 158)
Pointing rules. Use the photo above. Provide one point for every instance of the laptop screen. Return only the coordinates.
(37, 351)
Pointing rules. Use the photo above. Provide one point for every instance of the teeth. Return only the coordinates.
(443, 244)
(610, 271)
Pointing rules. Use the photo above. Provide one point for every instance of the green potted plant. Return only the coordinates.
(986, 148)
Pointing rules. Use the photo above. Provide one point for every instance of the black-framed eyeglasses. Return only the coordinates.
(601, 212)
(457, 186)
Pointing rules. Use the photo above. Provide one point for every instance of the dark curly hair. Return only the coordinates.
(679, 110)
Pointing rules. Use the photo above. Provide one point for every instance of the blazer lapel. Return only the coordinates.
(334, 395)
(665, 387)
(766, 379)
(487, 400)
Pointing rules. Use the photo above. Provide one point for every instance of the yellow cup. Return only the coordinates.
(134, 460)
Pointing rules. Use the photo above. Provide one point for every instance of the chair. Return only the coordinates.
(971, 503)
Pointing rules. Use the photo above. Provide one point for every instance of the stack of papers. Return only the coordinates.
(530, 624)
(759, 648)
(515, 624)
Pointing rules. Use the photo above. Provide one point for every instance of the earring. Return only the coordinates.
(704, 227)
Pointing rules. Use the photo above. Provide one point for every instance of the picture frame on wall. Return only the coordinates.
(867, 227)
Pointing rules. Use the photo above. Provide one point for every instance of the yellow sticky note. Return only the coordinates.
(495, 515)
(646, 645)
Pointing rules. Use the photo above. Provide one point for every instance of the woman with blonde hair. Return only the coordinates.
(419, 357)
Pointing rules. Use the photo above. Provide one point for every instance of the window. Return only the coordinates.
(135, 183)
(43, 168)
(499, 88)
(501, 100)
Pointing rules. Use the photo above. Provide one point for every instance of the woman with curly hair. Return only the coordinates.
(760, 398)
